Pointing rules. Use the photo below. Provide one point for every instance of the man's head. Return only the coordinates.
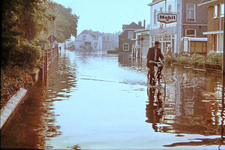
(156, 44)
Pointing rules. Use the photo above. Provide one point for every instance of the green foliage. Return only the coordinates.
(21, 20)
(168, 59)
(65, 22)
(197, 60)
(184, 59)
(27, 55)
(12, 78)
(214, 58)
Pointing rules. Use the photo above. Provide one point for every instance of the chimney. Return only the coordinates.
(139, 24)
(144, 23)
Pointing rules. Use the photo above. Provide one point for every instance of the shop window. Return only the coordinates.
(190, 33)
(125, 47)
(190, 12)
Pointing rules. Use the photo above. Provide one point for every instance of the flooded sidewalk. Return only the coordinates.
(96, 100)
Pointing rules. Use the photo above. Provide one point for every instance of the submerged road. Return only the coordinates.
(96, 100)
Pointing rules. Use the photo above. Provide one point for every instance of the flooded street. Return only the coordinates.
(97, 100)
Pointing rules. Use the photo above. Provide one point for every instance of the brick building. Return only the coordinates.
(215, 27)
(126, 38)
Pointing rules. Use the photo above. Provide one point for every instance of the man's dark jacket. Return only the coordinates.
(151, 55)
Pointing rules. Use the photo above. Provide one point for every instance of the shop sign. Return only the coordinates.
(167, 18)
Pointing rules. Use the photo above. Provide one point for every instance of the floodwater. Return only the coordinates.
(95, 100)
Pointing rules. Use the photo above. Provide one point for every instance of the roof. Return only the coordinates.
(208, 2)
(133, 25)
(154, 2)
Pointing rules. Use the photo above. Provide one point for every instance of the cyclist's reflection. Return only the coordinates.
(154, 110)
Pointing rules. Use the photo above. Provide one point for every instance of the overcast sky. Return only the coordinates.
(107, 15)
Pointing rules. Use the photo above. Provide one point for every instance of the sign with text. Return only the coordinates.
(167, 18)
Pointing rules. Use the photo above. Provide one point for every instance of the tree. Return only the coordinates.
(21, 21)
(66, 22)
(26, 25)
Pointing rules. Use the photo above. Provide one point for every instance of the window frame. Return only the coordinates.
(215, 11)
(130, 34)
(190, 9)
(193, 35)
(222, 10)
(155, 17)
(124, 46)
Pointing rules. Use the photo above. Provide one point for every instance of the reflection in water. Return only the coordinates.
(191, 107)
(154, 108)
(34, 123)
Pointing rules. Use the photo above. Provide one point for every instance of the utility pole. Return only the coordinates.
(223, 73)
(223, 65)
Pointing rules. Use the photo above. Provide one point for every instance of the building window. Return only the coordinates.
(84, 37)
(190, 33)
(125, 47)
(161, 9)
(222, 10)
(215, 11)
(155, 17)
(130, 34)
(95, 44)
(170, 8)
(191, 12)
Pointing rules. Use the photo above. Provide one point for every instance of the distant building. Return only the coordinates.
(142, 41)
(215, 30)
(69, 44)
(94, 40)
(127, 37)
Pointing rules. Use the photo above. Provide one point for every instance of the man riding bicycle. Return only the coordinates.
(154, 53)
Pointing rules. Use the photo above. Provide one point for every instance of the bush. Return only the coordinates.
(214, 58)
(168, 59)
(197, 60)
(184, 59)
(27, 55)
(12, 79)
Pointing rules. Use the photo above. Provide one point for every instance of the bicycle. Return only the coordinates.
(157, 73)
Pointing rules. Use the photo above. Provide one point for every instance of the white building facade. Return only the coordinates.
(166, 34)
(88, 40)
(191, 21)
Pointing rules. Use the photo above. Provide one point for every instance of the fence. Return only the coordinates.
(50, 55)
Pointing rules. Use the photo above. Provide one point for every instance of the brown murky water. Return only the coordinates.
(100, 101)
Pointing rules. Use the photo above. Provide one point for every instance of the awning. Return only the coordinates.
(194, 39)
(213, 32)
